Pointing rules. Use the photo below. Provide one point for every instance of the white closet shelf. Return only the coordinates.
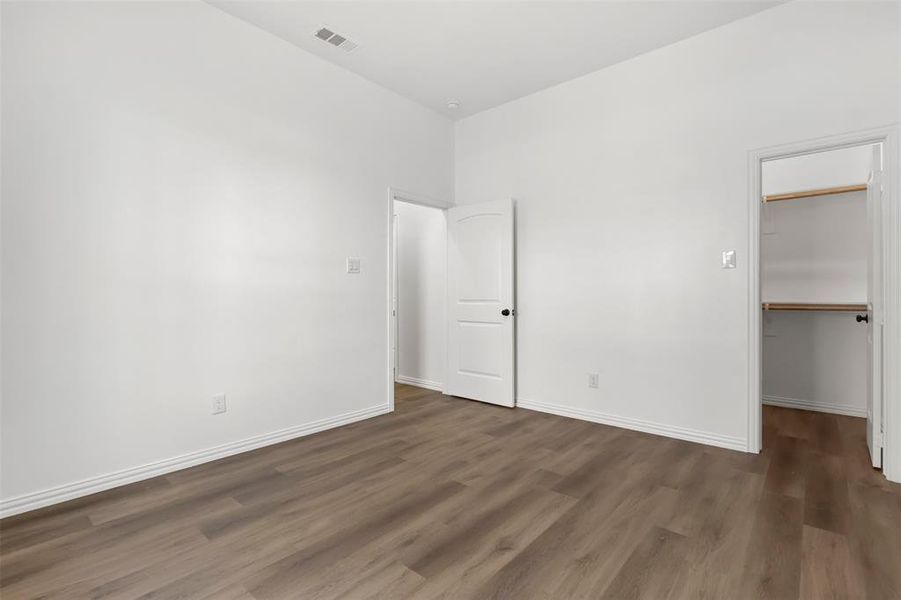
(844, 189)
(809, 306)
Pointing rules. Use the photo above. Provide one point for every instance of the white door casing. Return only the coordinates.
(480, 287)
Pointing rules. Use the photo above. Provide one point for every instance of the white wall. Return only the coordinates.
(629, 184)
(815, 361)
(421, 275)
(841, 167)
(815, 250)
(180, 193)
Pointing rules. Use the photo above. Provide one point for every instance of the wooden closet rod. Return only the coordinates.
(800, 306)
(861, 187)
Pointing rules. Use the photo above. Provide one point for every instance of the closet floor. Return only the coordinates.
(456, 499)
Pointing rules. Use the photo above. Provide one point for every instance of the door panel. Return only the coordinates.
(481, 349)
(874, 310)
(480, 286)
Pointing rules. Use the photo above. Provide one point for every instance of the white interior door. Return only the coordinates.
(395, 350)
(875, 314)
(480, 337)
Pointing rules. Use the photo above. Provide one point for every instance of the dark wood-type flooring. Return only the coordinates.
(448, 498)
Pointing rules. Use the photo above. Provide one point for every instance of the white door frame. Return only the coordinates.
(395, 194)
(891, 159)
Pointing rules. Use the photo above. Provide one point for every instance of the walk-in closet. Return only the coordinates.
(820, 291)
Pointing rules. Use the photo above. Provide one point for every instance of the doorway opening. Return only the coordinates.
(419, 295)
(416, 291)
(823, 327)
(451, 298)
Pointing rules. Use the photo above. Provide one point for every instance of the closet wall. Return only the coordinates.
(815, 250)
(421, 252)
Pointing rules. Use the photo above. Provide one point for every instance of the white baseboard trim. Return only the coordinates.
(423, 383)
(27, 502)
(825, 407)
(671, 431)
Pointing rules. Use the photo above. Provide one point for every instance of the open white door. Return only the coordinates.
(875, 314)
(480, 337)
(395, 348)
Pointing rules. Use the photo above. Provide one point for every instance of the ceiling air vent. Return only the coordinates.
(339, 41)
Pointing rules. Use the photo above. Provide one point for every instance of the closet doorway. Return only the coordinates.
(824, 287)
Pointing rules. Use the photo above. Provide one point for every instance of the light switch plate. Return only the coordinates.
(728, 259)
(353, 265)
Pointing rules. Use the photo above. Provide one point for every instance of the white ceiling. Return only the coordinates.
(485, 53)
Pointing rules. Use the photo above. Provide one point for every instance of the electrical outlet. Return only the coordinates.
(593, 380)
(353, 265)
(219, 405)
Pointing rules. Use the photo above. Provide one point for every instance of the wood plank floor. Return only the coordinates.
(448, 498)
